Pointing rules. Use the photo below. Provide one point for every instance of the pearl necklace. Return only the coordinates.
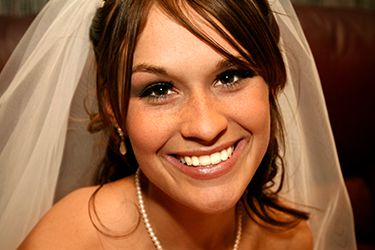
(150, 230)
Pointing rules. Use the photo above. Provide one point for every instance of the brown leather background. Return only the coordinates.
(343, 44)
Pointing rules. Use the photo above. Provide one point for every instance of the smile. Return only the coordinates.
(211, 164)
(207, 160)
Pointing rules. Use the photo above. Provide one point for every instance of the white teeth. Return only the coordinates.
(188, 161)
(224, 155)
(205, 160)
(195, 160)
(215, 158)
(230, 151)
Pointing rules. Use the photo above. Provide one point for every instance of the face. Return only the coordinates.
(198, 124)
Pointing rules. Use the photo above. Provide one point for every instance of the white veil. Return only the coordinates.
(313, 174)
(45, 150)
(37, 85)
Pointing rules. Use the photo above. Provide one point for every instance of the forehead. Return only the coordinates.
(163, 38)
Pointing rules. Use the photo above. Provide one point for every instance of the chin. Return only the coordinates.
(215, 201)
(219, 206)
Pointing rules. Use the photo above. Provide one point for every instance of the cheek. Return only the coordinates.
(253, 115)
(147, 130)
(251, 110)
(256, 116)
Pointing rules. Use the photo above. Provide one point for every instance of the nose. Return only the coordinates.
(204, 119)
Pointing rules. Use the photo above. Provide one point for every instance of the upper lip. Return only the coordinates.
(206, 151)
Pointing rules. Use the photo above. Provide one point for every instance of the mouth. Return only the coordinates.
(207, 160)
(211, 164)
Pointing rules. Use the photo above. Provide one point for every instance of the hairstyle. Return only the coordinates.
(247, 25)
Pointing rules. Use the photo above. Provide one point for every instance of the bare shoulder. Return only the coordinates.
(266, 236)
(301, 237)
(297, 237)
(76, 220)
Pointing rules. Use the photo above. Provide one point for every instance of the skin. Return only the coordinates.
(200, 114)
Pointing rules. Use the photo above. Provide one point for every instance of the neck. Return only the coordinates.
(193, 229)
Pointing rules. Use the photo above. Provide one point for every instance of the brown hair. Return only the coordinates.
(247, 25)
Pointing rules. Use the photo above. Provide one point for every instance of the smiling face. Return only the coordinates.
(199, 125)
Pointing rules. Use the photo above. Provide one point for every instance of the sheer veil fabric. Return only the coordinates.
(45, 150)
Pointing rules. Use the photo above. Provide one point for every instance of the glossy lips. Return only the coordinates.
(208, 166)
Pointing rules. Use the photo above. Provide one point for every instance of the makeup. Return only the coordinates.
(210, 171)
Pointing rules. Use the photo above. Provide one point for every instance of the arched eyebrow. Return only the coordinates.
(143, 67)
(225, 64)
(153, 69)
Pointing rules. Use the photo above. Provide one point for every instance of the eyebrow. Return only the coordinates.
(143, 67)
(153, 69)
(224, 64)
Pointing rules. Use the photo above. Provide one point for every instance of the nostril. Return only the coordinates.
(204, 127)
(204, 118)
(203, 137)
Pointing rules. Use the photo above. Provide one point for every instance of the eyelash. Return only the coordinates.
(232, 77)
(157, 91)
(229, 79)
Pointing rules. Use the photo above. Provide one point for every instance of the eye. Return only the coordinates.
(231, 77)
(158, 90)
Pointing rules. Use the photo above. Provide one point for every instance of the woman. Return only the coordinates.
(187, 91)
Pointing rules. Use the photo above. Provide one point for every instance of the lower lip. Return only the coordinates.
(211, 171)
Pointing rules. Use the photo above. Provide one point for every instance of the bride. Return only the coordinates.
(210, 130)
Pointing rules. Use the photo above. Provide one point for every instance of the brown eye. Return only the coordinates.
(233, 76)
(157, 90)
